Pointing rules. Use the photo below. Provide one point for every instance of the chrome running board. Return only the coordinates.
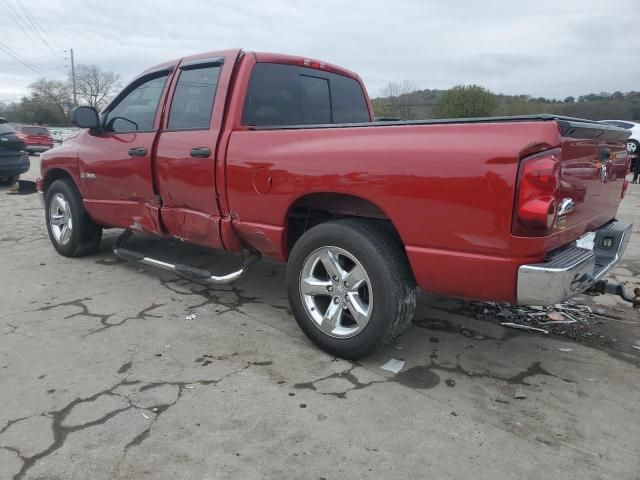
(183, 270)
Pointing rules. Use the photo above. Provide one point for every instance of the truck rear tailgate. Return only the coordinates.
(593, 169)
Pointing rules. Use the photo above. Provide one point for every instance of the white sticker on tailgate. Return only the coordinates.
(587, 241)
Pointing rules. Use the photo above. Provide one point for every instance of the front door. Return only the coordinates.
(116, 163)
(185, 159)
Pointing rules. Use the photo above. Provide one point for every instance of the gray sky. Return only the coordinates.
(541, 48)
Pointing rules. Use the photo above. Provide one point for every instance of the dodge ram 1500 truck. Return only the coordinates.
(279, 156)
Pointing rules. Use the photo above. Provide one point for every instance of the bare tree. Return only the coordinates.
(398, 98)
(54, 92)
(94, 86)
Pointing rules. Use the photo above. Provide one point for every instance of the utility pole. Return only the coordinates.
(73, 78)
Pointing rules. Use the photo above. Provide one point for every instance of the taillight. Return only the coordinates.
(536, 203)
(21, 136)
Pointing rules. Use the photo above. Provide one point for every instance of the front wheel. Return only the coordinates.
(350, 287)
(71, 231)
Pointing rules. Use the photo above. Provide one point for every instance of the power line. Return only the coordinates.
(22, 23)
(23, 60)
(39, 30)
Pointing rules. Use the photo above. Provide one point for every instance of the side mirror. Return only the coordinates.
(85, 117)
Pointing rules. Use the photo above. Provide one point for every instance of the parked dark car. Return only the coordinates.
(37, 139)
(14, 159)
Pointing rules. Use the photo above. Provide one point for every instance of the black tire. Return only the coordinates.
(11, 180)
(392, 283)
(85, 235)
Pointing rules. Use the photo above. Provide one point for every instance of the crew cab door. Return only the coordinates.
(116, 162)
(186, 152)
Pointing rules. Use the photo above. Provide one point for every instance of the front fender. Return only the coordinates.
(61, 161)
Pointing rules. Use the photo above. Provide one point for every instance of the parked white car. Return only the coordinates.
(633, 143)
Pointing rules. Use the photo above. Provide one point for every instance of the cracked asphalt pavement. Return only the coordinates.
(112, 371)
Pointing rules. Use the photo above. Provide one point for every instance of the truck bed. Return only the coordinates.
(569, 126)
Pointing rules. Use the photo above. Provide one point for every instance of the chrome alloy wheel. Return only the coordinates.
(632, 147)
(60, 219)
(336, 292)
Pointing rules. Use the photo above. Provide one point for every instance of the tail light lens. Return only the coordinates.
(21, 136)
(536, 203)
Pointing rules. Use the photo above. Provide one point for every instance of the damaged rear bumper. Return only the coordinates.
(573, 269)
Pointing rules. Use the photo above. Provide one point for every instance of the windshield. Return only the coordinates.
(6, 128)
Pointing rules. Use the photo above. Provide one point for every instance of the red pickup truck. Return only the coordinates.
(276, 155)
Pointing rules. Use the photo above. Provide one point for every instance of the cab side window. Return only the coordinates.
(193, 98)
(136, 111)
(281, 95)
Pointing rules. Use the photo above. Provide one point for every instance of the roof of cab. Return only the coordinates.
(260, 57)
(172, 63)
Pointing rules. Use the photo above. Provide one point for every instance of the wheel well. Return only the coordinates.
(56, 174)
(317, 208)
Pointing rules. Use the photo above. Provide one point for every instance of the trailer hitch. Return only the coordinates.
(603, 286)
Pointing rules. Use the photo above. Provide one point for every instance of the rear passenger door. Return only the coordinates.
(269, 165)
(185, 155)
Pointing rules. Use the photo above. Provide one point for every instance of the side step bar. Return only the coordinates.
(183, 270)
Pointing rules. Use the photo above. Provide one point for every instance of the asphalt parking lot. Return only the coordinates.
(112, 371)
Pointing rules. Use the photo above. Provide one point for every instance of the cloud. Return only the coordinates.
(542, 48)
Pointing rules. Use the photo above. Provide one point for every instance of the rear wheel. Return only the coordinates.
(350, 287)
(633, 146)
(71, 231)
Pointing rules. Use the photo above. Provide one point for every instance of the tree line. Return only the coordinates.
(403, 100)
(50, 101)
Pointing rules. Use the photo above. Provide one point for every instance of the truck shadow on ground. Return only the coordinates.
(445, 330)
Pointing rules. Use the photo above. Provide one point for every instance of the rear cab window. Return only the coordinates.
(283, 95)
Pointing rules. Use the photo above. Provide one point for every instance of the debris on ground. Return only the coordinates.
(635, 346)
(524, 327)
(393, 365)
(571, 319)
(566, 349)
(519, 395)
(190, 316)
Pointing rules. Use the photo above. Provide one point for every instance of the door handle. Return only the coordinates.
(137, 152)
(200, 152)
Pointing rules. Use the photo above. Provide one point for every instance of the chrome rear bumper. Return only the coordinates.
(571, 269)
